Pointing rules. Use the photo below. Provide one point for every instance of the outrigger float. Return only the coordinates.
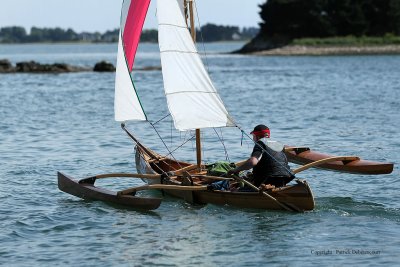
(194, 104)
(304, 155)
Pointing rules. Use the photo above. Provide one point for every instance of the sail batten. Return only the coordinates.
(178, 51)
(186, 92)
(192, 98)
(170, 24)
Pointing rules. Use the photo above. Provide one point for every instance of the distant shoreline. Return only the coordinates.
(304, 50)
(289, 50)
(116, 43)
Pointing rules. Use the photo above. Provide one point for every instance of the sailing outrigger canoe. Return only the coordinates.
(194, 104)
(184, 180)
(296, 197)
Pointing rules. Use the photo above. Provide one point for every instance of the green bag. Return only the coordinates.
(219, 168)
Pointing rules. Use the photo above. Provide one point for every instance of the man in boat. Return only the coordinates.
(269, 162)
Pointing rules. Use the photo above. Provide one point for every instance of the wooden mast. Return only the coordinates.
(193, 32)
(192, 29)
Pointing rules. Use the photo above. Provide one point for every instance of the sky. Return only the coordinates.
(103, 15)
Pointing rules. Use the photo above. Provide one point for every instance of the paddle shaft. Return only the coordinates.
(323, 161)
(161, 186)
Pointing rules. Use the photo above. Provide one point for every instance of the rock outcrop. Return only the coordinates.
(261, 44)
(104, 66)
(34, 67)
(5, 66)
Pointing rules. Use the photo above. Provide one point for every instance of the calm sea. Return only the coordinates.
(343, 105)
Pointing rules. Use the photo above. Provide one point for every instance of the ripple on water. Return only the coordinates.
(65, 123)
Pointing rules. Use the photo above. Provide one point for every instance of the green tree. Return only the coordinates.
(149, 36)
(295, 18)
(394, 16)
(325, 18)
(36, 35)
(213, 33)
(347, 17)
(13, 34)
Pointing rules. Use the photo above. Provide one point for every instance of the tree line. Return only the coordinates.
(16, 34)
(326, 18)
(208, 32)
(215, 33)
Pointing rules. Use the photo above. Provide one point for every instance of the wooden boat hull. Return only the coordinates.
(298, 195)
(304, 155)
(91, 192)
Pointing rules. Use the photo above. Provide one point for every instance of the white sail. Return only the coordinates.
(192, 98)
(127, 105)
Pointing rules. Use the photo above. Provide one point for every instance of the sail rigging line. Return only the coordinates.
(162, 118)
(223, 144)
(175, 149)
(201, 36)
(162, 140)
(181, 145)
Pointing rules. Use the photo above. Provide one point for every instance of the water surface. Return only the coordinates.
(344, 105)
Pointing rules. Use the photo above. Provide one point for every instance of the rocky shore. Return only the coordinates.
(35, 67)
(299, 50)
(288, 50)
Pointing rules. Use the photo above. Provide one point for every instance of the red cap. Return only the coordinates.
(261, 130)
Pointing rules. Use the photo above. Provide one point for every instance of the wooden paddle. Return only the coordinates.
(323, 161)
(185, 169)
(211, 177)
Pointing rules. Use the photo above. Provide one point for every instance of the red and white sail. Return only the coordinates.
(127, 105)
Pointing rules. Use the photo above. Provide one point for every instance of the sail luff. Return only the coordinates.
(127, 105)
